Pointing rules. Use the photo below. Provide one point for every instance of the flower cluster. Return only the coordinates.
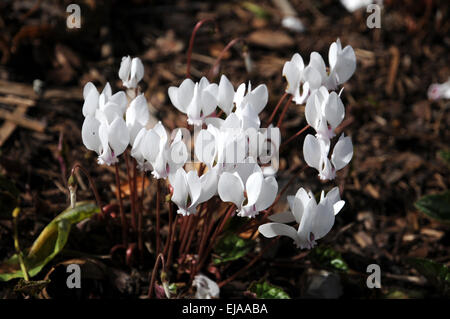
(238, 157)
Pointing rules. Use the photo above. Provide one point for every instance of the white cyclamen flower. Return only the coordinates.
(206, 288)
(104, 130)
(439, 91)
(324, 112)
(197, 100)
(315, 151)
(131, 71)
(137, 116)
(342, 64)
(164, 156)
(250, 194)
(293, 72)
(314, 220)
(190, 190)
(353, 5)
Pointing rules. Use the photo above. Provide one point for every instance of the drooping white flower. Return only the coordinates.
(94, 101)
(250, 195)
(256, 98)
(314, 220)
(145, 148)
(342, 64)
(315, 151)
(222, 145)
(190, 190)
(104, 130)
(324, 112)
(206, 288)
(197, 100)
(438, 91)
(137, 116)
(293, 72)
(165, 156)
(131, 71)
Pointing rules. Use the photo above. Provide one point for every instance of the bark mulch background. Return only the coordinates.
(397, 132)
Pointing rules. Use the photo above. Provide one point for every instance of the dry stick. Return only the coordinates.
(277, 107)
(283, 113)
(91, 182)
(191, 44)
(130, 185)
(158, 201)
(221, 55)
(244, 269)
(294, 136)
(155, 269)
(122, 213)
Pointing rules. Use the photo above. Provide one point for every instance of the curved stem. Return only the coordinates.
(191, 44)
(221, 55)
(155, 269)
(91, 183)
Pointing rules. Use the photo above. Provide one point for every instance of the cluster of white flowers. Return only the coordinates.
(324, 112)
(234, 151)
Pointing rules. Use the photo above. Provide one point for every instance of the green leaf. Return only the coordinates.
(265, 290)
(436, 206)
(9, 197)
(436, 273)
(445, 155)
(256, 9)
(329, 258)
(49, 243)
(231, 247)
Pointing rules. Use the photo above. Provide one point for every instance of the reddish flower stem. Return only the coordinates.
(191, 44)
(172, 238)
(294, 136)
(159, 259)
(131, 187)
(158, 204)
(283, 97)
(283, 113)
(122, 213)
(230, 44)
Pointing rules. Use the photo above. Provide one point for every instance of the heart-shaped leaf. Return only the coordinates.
(329, 258)
(436, 206)
(265, 290)
(231, 247)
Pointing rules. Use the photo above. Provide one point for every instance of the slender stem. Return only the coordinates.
(91, 183)
(122, 213)
(191, 44)
(140, 218)
(23, 267)
(169, 236)
(158, 204)
(283, 97)
(186, 233)
(172, 238)
(159, 259)
(251, 263)
(230, 44)
(294, 136)
(283, 113)
(131, 187)
(215, 234)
